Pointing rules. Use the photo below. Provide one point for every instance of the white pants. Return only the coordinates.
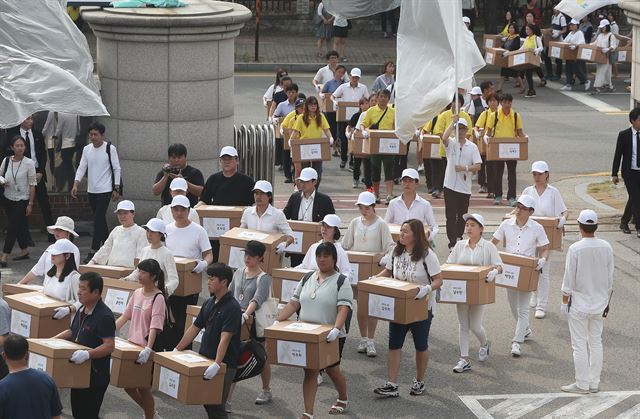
(519, 303)
(603, 75)
(544, 283)
(586, 341)
(470, 317)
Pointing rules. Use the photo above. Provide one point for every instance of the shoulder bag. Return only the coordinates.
(267, 314)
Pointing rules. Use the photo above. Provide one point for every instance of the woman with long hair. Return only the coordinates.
(386, 80)
(508, 18)
(533, 43)
(62, 280)
(511, 43)
(607, 43)
(276, 87)
(329, 232)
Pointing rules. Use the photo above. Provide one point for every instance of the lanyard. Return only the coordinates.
(15, 174)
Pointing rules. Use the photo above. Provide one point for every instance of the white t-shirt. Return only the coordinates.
(420, 209)
(54, 288)
(122, 246)
(405, 269)
(372, 238)
(521, 240)
(272, 221)
(549, 204)
(309, 261)
(44, 263)
(95, 162)
(345, 92)
(167, 263)
(187, 242)
(465, 155)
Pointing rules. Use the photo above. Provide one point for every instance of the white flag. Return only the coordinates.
(352, 9)
(578, 9)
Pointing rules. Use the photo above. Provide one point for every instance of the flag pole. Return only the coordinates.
(456, 23)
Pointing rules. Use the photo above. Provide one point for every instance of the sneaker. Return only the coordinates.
(483, 353)
(533, 301)
(530, 93)
(421, 168)
(540, 314)
(462, 366)
(566, 87)
(264, 397)
(320, 379)
(435, 194)
(512, 202)
(343, 164)
(355, 183)
(515, 349)
(593, 389)
(612, 89)
(483, 189)
(417, 388)
(491, 195)
(389, 198)
(371, 349)
(587, 85)
(350, 168)
(498, 200)
(573, 388)
(362, 346)
(387, 390)
(528, 334)
(228, 408)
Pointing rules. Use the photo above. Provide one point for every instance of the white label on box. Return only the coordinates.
(555, 52)
(305, 327)
(518, 59)
(37, 362)
(435, 151)
(123, 344)
(252, 235)
(389, 146)
(296, 246)
(216, 227)
(355, 270)
(169, 382)
(509, 277)
(488, 43)
(288, 289)
(190, 358)
(116, 300)
(391, 283)
(236, 257)
(381, 306)
(20, 323)
(59, 344)
(292, 353)
(488, 58)
(453, 291)
(586, 54)
(199, 337)
(622, 56)
(40, 300)
(509, 151)
(310, 152)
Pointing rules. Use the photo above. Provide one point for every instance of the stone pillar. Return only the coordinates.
(166, 77)
(632, 10)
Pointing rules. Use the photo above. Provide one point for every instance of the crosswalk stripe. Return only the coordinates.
(515, 408)
(632, 413)
(586, 407)
(476, 408)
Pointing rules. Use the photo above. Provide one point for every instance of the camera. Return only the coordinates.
(173, 170)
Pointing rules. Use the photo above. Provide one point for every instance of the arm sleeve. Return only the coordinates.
(347, 241)
(430, 219)
(158, 313)
(262, 290)
(171, 282)
(232, 322)
(31, 175)
(476, 156)
(499, 233)
(482, 120)
(282, 224)
(559, 203)
(243, 220)
(296, 294)
(115, 162)
(74, 284)
(107, 327)
(82, 167)
(455, 252)
(287, 208)
(141, 241)
(610, 267)
(325, 123)
(38, 268)
(494, 255)
(387, 239)
(570, 266)
(203, 240)
(366, 121)
(519, 124)
(56, 405)
(541, 237)
(201, 320)
(441, 125)
(345, 295)
(206, 192)
(343, 262)
(354, 119)
(128, 311)
(102, 255)
(432, 263)
(389, 215)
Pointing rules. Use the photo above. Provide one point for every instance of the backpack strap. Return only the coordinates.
(341, 279)
(5, 162)
(113, 175)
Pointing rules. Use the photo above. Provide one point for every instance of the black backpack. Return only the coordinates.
(251, 360)
(113, 175)
(169, 337)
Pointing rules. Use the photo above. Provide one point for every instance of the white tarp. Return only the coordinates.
(578, 9)
(352, 9)
(45, 63)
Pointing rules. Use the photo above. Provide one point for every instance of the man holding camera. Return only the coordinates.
(178, 168)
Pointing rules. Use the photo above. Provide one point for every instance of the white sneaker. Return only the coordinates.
(483, 354)
(540, 314)
(515, 349)
(421, 168)
(587, 85)
(593, 389)
(533, 301)
(573, 388)
(528, 334)
(566, 87)
(362, 346)
(371, 349)
(264, 397)
(320, 378)
(462, 366)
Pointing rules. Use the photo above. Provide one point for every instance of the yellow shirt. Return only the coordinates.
(505, 31)
(312, 130)
(374, 114)
(427, 127)
(444, 120)
(484, 119)
(530, 42)
(287, 122)
(506, 126)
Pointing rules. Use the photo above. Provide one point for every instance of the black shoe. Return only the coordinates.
(396, 181)
(625, 228)
(343, 164)
(638, 234)
(88, 258)
(288, 180)
(530, 93)
(22, 257)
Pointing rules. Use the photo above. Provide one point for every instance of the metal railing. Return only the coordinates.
(256, 145)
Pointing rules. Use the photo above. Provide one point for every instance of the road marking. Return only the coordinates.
(589, 100)
(632, 413)
(587, 407)
(514, 408)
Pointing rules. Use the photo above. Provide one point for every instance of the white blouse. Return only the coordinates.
(373, 238)
(549, 204)
(273, 221)
(19, 176)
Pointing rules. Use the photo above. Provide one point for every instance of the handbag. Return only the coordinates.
(251, 360)
(267, 314)
(169, 337)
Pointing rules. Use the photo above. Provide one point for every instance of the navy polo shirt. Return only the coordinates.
(217, 317)
(89, 330)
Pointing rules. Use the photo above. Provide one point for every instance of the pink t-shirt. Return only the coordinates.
(144, 317)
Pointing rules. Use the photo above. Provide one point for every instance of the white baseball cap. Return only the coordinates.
(228, 151)
(355, 72)
(366, 198)
(466, 19)
(125, 205)
(588, 217)
(62, 246)
(574, 22)
(476, 91)
(527, 201)
(332, 220)
(307, 174)
(603, 23)
(463, 121)
(539, 166)
(180, 201)
(178, 184)
(264, 186)
(475, 217)
(412, 173)
(157, 225)
(63, 223)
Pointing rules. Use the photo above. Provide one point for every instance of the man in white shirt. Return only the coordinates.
(463, 159)
(101, 165)
(522, 236)
(348, 92)
(325, 73)
(178, 186)
(586, 292)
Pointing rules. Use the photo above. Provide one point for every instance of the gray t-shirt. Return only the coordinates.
(5, 320)
(245, 290)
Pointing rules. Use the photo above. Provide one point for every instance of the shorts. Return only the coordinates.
(419, 330)
(341, 342)
(377, 161)
(340, 31)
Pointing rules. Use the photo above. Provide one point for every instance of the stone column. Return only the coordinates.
(632, 10)
(166, 77)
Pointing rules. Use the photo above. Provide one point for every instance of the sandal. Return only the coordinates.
(306, 415)
(336, 409)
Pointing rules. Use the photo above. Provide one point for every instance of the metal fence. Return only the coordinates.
(256, 145)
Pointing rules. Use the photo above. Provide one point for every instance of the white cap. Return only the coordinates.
(475, 217)
(62, 246)
(228, 151)
(476, 91)
(125, 205)
(157, 225)
(332, 220)
(527, 201)
(412, 173)
(366, 198)
(603, 23)
(574, 22)
(178, 184)
(264, 186)
(463, 121)
(466, 19)
(355, 72)
(307, 174)
(588, 217)
(63, 223)
(539, 166)
(180, 201)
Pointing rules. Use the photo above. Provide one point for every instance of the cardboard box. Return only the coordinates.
(233, 242)
(391, 300)
(286, 137)
(478, 140)
(52, 356)
(546, 36)
(310, 149)
(465, 284)
(106, 271)
(11, 289)
(625, 54)
(519, 272)
(591, 53)
(218, 219)
(491, 41)
(502, 149)
(395, 231)
(189, 283)
(494, 56)
(523, 60)
(285, 281)
(125, 371)
(623, 41)
(192, 313)
(325, 102)
(300, 344)
(382, 141)
(341, 116)
(116, 293)
(363, 265)
(431, 147)
(358, 147)
(178, 374)
(550, 224)
(305, 233)
(562, 51)
(32, 315)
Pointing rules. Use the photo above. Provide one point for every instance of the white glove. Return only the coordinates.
(541, 263)
(333, 335)
(318, 88)
(144, 355)
(245, 316)
(564, 309)
(573, 47)
(486, 139)
(555, 33)
(201, 266)
(280, 247)
(61, 312)
(419, 133)
(505, 53)
(605, 50)
(274, 323)
(79, 356)
(365, 133)
(2, 180)
(561, 222)
(384, 260)
(491, 276)
(270, 120)
(537, 51)
(211, 371)
(330, 140)
(422, 291)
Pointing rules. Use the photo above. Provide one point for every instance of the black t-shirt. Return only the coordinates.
(279, 97)
(215, 318)
(191, 175)
(89, 330)
(234, 190)
(354, 119)
(29, 394)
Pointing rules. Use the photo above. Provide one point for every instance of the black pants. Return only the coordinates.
(529, 76)
(286, 164)
(482, 174)
(498, 172)
(632, 183)
(66, 172)
(549, 67)
(295, 258)
(333, 124)
(391, 17)
(178, 305)
(456, 204)
(86, 402)
(99, 203)
(51, 153)
(574, 69)
(279, 148)
(438, 167)
(427, 163)
(17, 228)
(43, 202)
(366, 162)
(342, 137)
(218, 411)
(377, 161)
(400, 163)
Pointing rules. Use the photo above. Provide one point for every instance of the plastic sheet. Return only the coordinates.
(352, 9)
(578, 9)
(145, 3)
(45, 63)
